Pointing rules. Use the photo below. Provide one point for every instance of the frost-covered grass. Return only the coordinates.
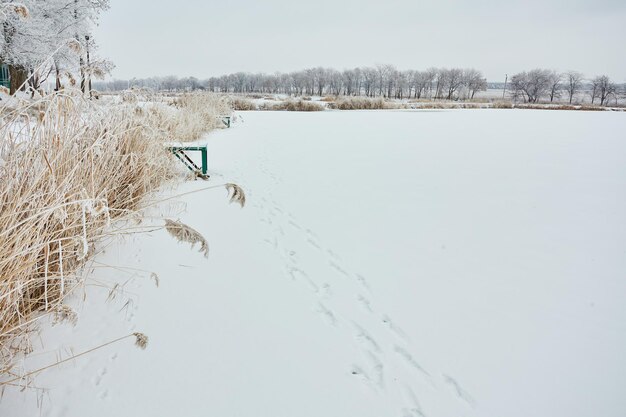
(292, 105)
(253, 102)
(359, 103)
(69, 169)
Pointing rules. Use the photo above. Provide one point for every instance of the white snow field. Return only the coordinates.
(387, 264)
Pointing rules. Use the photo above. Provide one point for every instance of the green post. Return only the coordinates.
(5, 78)
(204, 160)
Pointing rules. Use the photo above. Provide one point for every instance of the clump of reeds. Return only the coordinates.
(68, 169)
(550, 106)
(360, 103)
(242, 104)
(502, 105)
(66, 174)
(292, 105)
(189, 116)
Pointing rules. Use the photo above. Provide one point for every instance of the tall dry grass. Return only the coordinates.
(292, 105)
(189, 116)
(361, 103)
(243, 104)
(69, 170)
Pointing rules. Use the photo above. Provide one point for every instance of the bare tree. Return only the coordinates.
(453, 81)
(474, 81)
(554, 85)
(603, 88)
(349, 81)
(335, 81)
(369, 80)
(531, 85)
(573, 81)
(439, 78)
(382, 75)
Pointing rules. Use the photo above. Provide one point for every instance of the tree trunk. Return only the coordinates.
(57, 85)
(18, 78)
(82, 75)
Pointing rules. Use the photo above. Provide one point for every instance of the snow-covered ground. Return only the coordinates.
(388, 263)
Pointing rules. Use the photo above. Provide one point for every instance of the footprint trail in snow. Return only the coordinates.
(385, 360)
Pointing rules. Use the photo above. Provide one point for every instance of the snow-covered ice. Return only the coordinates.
(388, 263)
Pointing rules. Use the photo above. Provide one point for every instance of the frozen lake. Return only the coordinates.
(389, 263)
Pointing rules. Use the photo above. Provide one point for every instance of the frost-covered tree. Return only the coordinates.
(41, 37)
(452, 80)
(573, 84)
(474, 81)
(602, 88)
(555, 81)
(369, 80)
(350, 81)
(531, 85)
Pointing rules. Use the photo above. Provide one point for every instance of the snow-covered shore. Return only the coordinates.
(389, 263)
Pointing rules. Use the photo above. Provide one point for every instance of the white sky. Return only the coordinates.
(205, 38)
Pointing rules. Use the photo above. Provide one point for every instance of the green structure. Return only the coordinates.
(5, 78)
(179, 152)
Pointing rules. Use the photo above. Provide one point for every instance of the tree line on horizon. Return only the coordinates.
(388, 82)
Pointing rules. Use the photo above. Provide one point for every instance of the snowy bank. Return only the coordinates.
(399, 263)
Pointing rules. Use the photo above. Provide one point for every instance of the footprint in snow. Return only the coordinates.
(364, 338)
(327, 314)
(314, 244)
(458, 390)
(377, 369)
(333, 254)
(291, 256)
(297, 273)
(104, 394)
(295, 225)
(358, 372)
(409, 359)
(365, 303)
(327, 291)
(273, 244)
(338, 268)
(395, 329)
(98, 379)
(363, 282)
(414, 409)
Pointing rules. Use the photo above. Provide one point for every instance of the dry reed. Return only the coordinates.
(184, 233)
(359, 103)
(292, 105)
(243, 104)
(69, 168)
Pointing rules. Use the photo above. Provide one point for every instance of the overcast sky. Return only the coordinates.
(203, 38)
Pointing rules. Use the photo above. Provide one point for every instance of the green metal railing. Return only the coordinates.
(179, 152)
(5, 78)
